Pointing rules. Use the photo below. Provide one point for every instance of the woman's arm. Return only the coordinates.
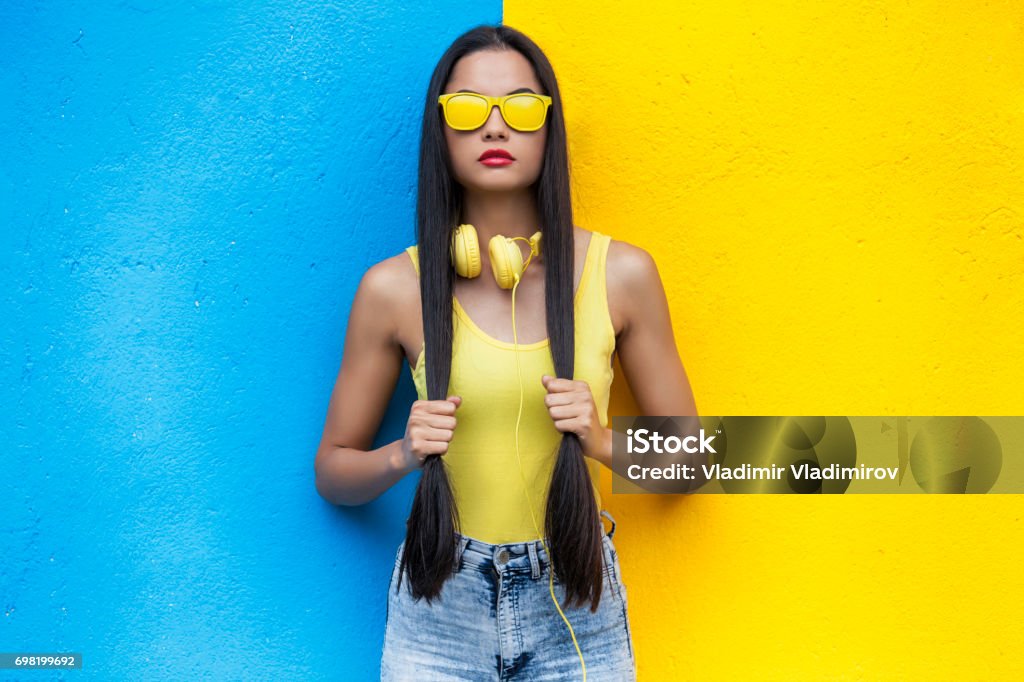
(646, 344)
(346, 471)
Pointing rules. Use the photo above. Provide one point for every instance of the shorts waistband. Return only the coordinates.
(510, 556)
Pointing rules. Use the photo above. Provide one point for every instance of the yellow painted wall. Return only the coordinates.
(834, 194)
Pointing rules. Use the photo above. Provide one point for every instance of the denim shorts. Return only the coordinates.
(495, 620)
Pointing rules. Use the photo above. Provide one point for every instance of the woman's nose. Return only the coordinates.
(495, 125)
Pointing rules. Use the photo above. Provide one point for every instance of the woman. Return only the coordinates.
(511, 427)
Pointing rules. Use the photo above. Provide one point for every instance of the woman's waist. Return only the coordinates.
(500, 511)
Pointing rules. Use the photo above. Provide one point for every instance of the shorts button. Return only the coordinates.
(502, 556)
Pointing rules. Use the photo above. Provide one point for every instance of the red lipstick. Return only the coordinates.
(496, 157)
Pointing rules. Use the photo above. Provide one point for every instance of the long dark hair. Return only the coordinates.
(572, 524)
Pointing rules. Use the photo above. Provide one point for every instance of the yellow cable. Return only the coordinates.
(522, 475)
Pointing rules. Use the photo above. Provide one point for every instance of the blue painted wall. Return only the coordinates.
(189, 194)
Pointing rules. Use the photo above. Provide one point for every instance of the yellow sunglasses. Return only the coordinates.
(523, 111)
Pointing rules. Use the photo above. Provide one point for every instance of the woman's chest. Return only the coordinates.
(486, 371)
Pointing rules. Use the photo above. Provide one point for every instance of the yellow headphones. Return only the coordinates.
(508, 267)
(506, 258)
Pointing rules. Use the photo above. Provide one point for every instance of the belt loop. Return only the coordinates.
(531, 549)
(463, 542)
(605, 513)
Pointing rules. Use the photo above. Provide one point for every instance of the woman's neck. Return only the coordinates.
(512, 214)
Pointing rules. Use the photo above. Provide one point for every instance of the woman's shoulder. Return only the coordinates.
(392, 280)
(632, 281)
(628, 264)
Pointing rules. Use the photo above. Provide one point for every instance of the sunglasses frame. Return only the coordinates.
(495, 102)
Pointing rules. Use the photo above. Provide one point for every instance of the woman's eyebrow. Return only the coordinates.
(507, 93)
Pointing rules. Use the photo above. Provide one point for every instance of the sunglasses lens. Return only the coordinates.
(466, 112)
(525, 112)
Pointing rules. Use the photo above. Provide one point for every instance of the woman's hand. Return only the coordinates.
(430, 428)
(571, 405)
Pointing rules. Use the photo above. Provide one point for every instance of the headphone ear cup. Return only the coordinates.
(466, 251)
(506, 261)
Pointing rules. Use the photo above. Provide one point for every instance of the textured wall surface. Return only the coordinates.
(834, 194)
(190, 193)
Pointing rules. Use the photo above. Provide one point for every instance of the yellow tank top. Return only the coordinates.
(481, 458)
